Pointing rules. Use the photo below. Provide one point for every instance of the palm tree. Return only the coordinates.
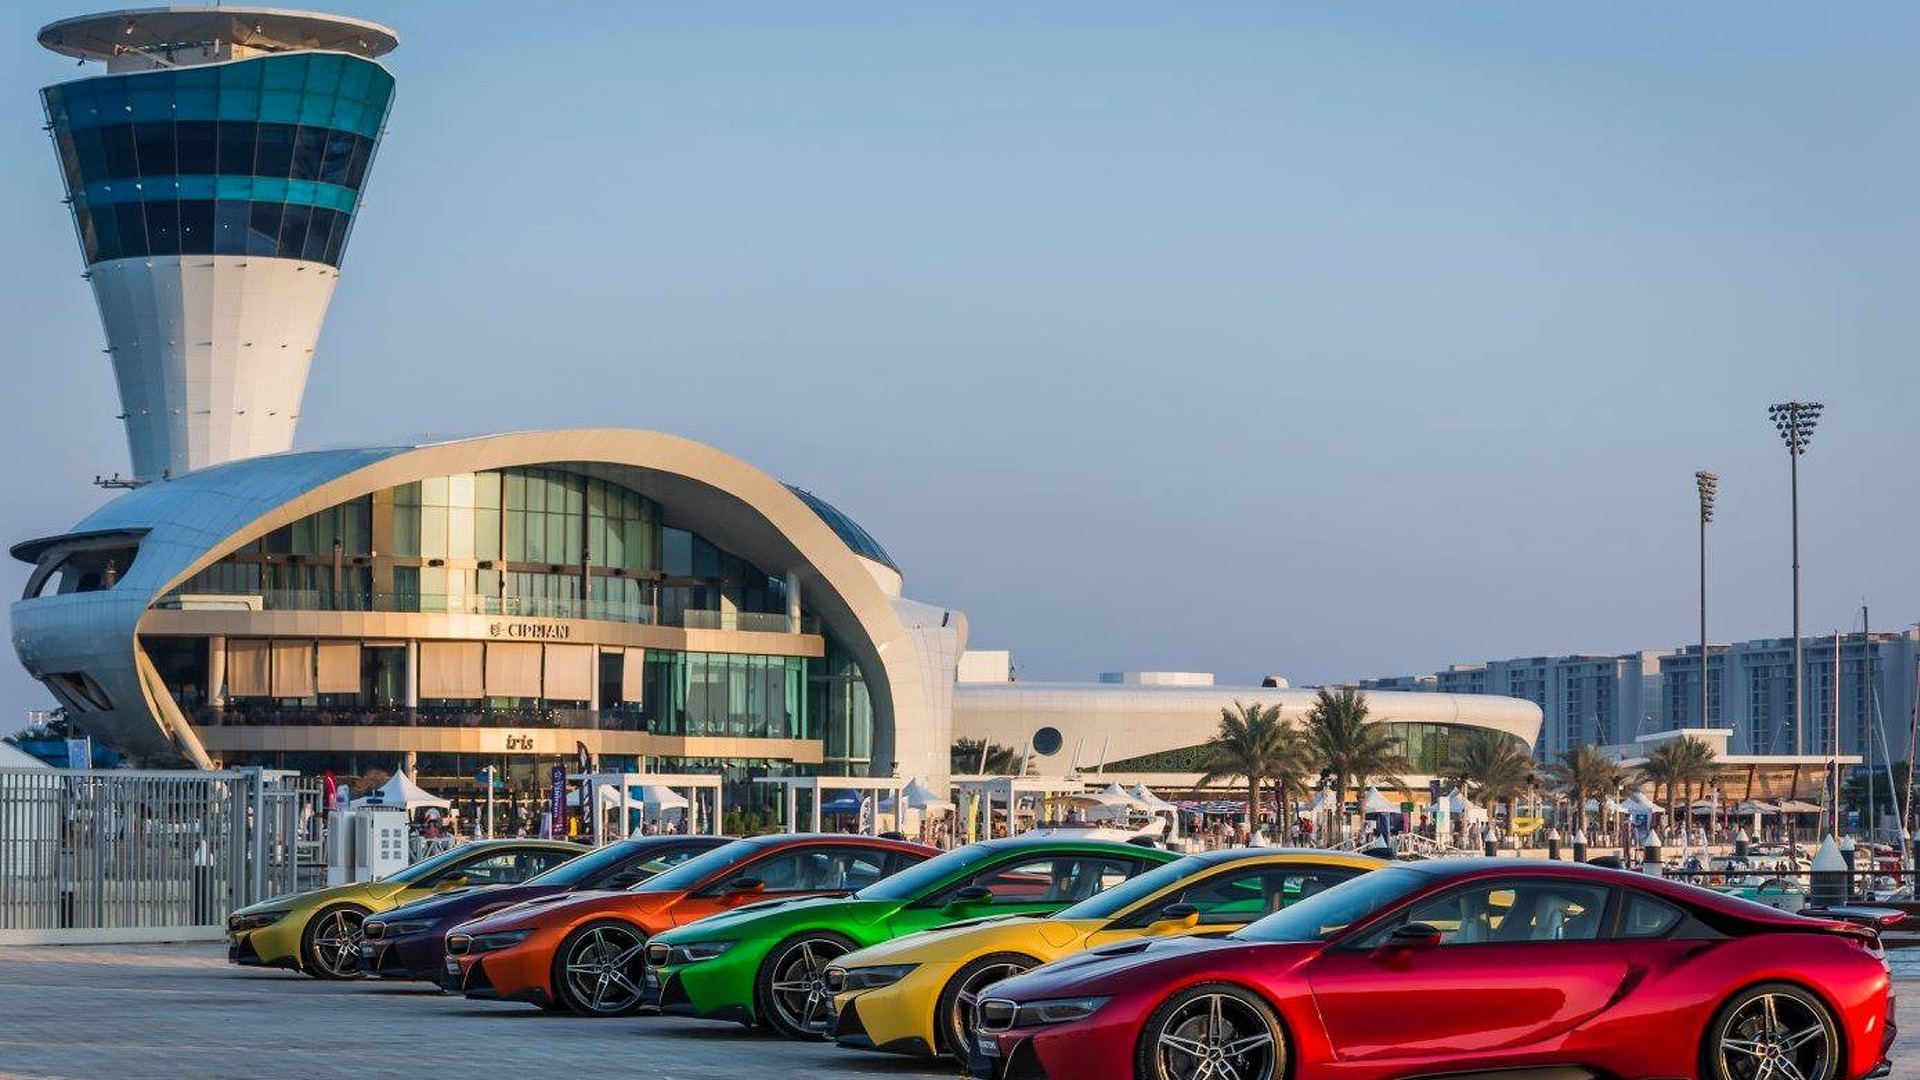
(1583, 773)
(1490, 767)
(965, 758)
(1252, 742)
(1677, 765)
(1354, 749)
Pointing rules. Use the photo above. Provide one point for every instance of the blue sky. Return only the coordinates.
(1321, 339)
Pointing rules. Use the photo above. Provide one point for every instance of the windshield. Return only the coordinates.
(910, 883)
(587, 867)
(428, 867)
(1105, 905)
(701, 867)
(1323, 915)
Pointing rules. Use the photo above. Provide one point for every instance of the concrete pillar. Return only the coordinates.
(217, 671)
(816, 807)
(413, 675)
(1651, 861)
(1580, 847)
(793, 602)
(1491, 846)
(1850, 856)
(1553, 844)
(1741, 843)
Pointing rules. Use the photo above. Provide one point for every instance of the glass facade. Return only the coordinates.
(266, 156)
(540, 542)
(526, 541)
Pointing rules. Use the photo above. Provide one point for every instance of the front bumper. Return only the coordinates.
(709, 990)
(416, 957)
(267, 947)
(1101, 1045)
(469, 975)
(895, 1019)
(850, 1031)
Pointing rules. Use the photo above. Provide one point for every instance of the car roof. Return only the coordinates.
(863, 839)
(1289, 854)
(1754, 916)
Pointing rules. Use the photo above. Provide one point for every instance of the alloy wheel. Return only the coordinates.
(800, 994)
(961, 1018)
(1217, 1037)
(1776, 1036)
(336, 943)
(603, 970)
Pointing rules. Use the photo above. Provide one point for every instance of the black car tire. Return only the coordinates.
(1772, 1019)
(950, 1028)
(601, 942)
(772, 1002)
(313, 945)
(1176, 1037)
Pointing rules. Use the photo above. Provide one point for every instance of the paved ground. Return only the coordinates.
(162, 1011)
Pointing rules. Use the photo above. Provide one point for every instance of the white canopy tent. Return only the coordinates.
(1376, 803)
(401, 793)
(1464, 808)
(1151, 801)
(698, 794)
(1638, 804)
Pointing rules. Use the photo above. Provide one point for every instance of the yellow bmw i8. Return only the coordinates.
(911, 995)
(318, 932)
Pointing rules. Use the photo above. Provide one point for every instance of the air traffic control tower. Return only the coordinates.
(214, 172)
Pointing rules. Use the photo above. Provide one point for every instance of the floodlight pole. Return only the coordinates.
(1795, 421)
(1709, 486)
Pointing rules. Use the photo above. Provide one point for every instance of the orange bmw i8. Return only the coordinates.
(584, 951)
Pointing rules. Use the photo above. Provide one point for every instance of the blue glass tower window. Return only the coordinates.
(260, 157)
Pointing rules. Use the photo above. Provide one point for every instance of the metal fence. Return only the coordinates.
(116, 855)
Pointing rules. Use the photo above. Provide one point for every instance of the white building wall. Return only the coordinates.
(210, 352)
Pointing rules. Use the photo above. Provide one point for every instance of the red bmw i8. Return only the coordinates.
(1514, 969)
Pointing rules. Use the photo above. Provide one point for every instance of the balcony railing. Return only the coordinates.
(621, 718)
(768, 622)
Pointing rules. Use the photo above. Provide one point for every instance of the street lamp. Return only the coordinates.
(1795, 421)
(1709, 485)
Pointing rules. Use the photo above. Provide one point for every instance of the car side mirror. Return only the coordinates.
(1412, 937)
(1175, 919)
(971, 896)
(743, 888)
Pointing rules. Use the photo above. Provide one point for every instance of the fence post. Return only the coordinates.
(1851, 856)
(1579, 847)
(1651, 861)
(1553, 844)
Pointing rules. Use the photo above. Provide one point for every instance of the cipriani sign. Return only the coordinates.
(530, 631)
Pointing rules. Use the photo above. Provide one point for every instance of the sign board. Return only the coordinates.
(80, 753)
(557, 802)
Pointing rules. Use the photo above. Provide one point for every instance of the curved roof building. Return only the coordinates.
(642, 595)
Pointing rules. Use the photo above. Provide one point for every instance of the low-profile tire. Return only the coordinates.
(1772, 1022)
(599, 970)
(330, 944)
(789, 991)
(1198, 1030)
(952, 1026)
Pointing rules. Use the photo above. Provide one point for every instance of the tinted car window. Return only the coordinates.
(1060, 879)
(815, 869)
(1646, 917)
(1509, 911)
(1241, 896)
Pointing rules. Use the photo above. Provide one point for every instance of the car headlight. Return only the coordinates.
(1056, 1011)
(866, 978)
(504, 939)
(695, 951)
(658, 955)
(256, 920)
(408, 926)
